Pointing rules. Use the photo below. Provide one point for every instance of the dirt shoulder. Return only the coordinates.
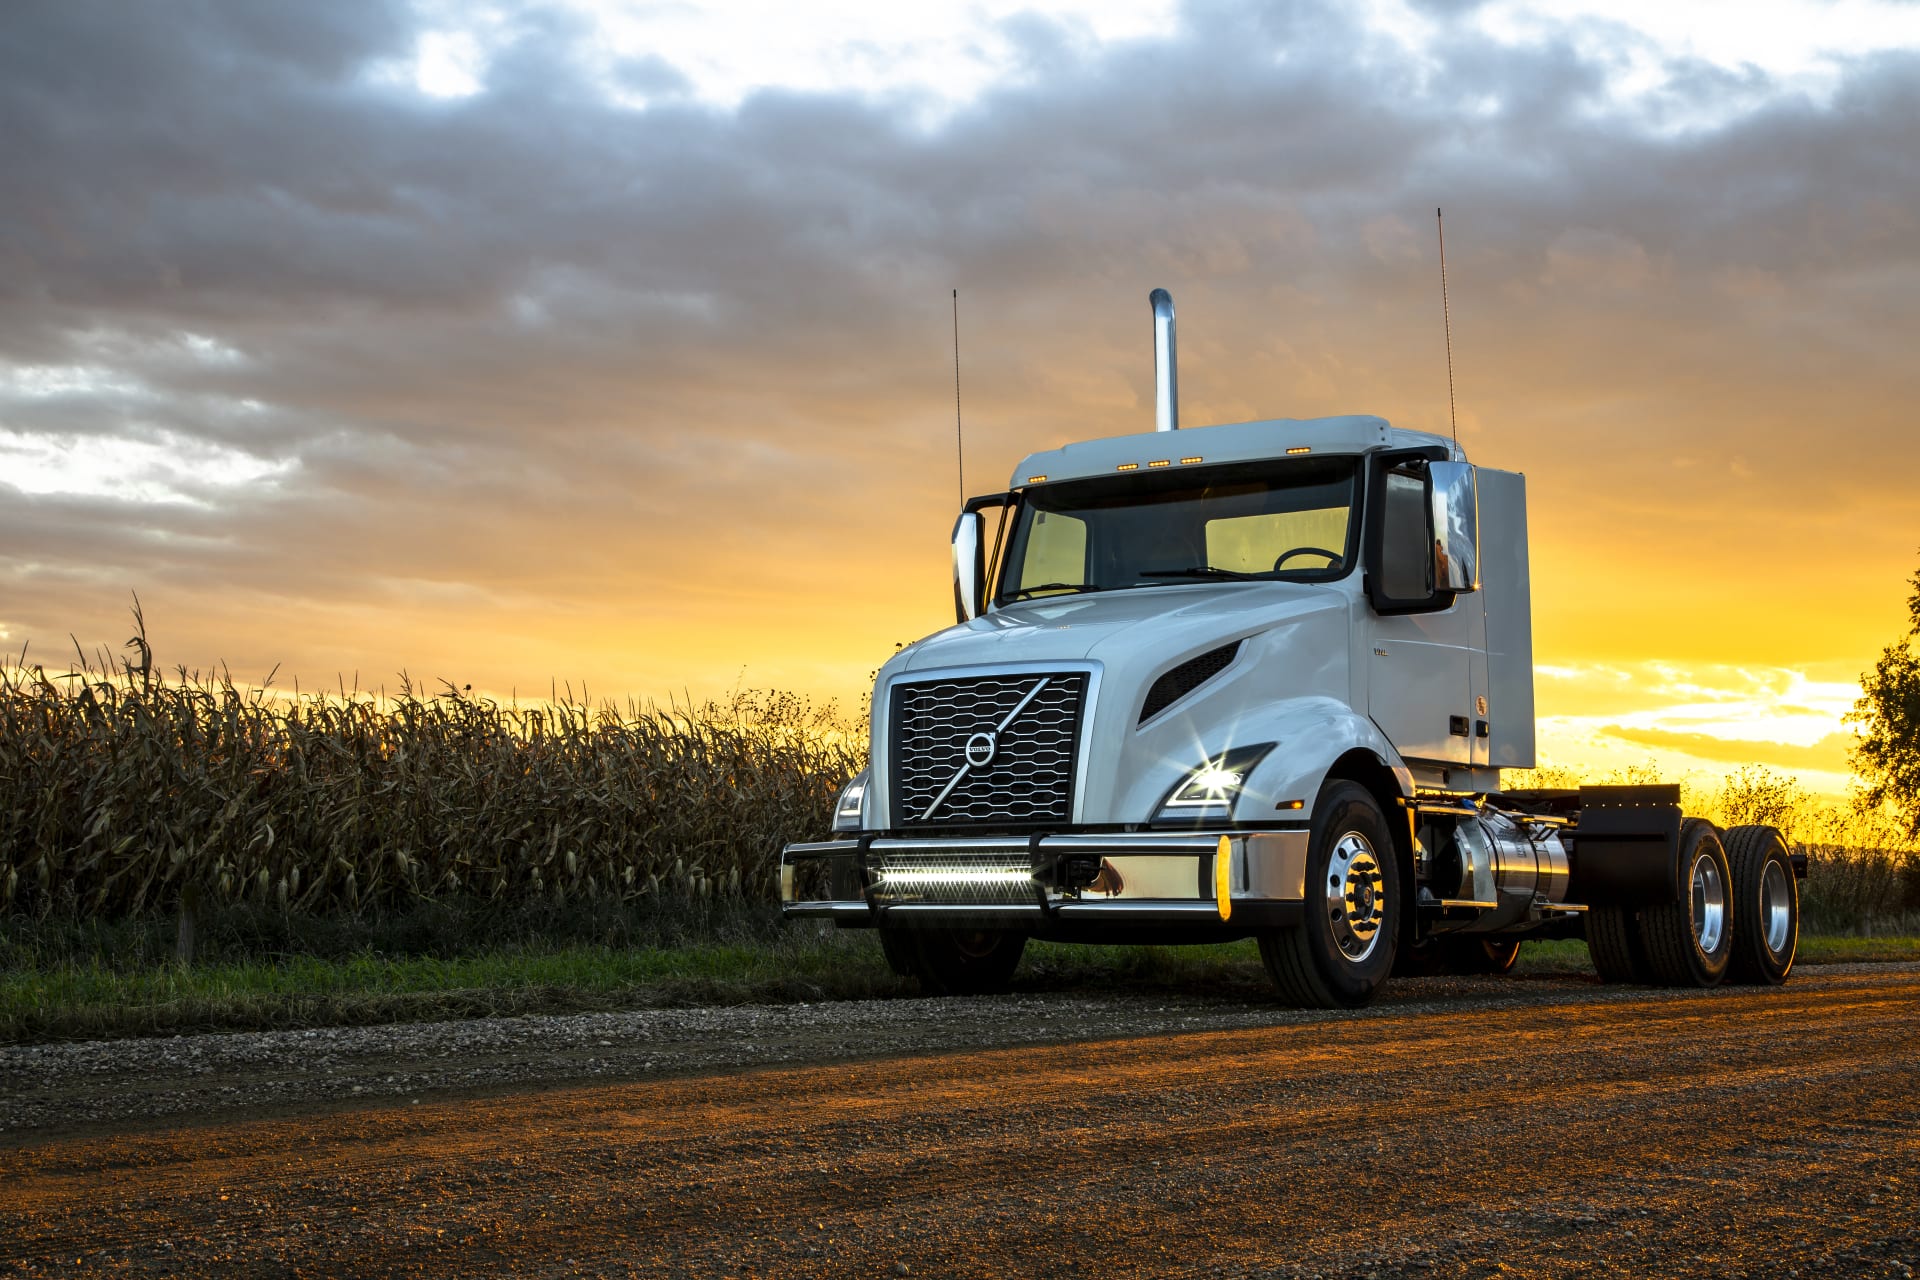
(1539, 1128)
(122, 1085)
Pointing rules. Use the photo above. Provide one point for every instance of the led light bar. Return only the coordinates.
(898, 878)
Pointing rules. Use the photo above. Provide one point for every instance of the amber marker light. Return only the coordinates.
(1299, 448)
(1035, 479)
(1187, 462)
(1128, 466)
(1291, 804)
(1161, 462)
(1223, 876)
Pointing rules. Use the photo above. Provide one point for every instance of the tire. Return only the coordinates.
(1690, 942)
(897, 946)
(1453, 954)
(1343, 950)
(1614, 942)
(1422, 959)
(1486, 956)
(963, 962)
(1766, 907)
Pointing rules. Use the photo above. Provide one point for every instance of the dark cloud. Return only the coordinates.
(535, 346)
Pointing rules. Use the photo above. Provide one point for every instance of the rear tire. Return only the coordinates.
(1766, 906)
(1690, 942)
(1614, 943)
(1485, 956)
(1341, 953)
(963, 962)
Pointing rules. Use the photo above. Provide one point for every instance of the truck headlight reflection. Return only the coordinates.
(1211, 790)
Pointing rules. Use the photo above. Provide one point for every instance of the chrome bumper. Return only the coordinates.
(1203, 879)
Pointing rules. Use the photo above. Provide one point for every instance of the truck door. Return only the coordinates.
(1425, 642)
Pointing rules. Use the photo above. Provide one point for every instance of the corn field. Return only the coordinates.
(123, 795)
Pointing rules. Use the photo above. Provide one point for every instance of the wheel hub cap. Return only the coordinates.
(1356, 896)
(1776, 908)
(1709, 904)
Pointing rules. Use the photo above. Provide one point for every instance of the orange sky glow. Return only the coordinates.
(526, 362)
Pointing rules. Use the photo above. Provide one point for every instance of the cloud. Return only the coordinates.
(552, 378)
(1827, 755)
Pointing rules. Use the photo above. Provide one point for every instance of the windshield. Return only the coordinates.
(1290, 520)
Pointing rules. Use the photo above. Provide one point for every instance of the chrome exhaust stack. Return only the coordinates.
(1166, 394)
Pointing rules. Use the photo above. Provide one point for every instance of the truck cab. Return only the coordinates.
(1256, 679)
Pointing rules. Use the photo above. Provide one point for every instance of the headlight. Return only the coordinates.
(846, 810)
(1211, 790)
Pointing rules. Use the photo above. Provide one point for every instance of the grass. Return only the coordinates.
(84, 997)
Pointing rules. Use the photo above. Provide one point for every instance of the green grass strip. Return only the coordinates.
(89, 1000)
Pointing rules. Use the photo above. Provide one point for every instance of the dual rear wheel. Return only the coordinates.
(1738, 918)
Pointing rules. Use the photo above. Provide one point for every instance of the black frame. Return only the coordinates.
(985, 562)
(1378, 466)
(1350, 554)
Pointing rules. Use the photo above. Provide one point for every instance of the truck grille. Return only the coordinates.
(986, 750)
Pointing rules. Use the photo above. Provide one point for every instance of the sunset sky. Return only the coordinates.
(609, 343)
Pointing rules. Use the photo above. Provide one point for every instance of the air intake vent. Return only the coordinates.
(1185, 678)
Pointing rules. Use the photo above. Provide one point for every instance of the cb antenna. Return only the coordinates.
(1446, 322)
(959, 451)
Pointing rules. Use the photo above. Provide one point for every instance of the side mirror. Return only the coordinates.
(969, 564)
(1456, 527)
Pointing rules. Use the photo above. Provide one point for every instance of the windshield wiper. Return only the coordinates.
(1074, 587)
(1203, 571)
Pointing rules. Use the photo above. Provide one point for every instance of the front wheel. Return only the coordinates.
(963, 962)
(1341, 952)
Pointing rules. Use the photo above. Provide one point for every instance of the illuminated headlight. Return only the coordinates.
(846, 810)
(1211, 790)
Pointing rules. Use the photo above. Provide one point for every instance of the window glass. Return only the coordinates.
(1207, 523)
(1056, 551)
(1313, 539)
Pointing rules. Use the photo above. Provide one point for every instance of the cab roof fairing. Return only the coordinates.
(1267, 439)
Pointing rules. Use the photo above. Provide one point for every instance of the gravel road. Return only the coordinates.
(1542, 1126)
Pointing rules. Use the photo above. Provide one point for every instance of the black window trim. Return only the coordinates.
(1378, 465)
(1350, 554)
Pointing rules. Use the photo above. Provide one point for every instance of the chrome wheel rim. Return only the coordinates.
(1709, 904)
(1776, 908)
(1356, 896)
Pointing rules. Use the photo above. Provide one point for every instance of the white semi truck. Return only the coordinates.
(1260, 680)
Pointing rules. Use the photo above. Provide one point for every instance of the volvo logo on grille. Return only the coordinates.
(980, 749)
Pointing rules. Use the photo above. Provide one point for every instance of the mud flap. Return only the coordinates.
(1626, 847)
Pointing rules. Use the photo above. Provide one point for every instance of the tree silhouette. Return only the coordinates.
(1887, 753)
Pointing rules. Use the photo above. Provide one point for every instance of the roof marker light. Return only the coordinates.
(1299, 448)
(1035, 479)
(1128, 466)
(1187, 462)
(1159, 462)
